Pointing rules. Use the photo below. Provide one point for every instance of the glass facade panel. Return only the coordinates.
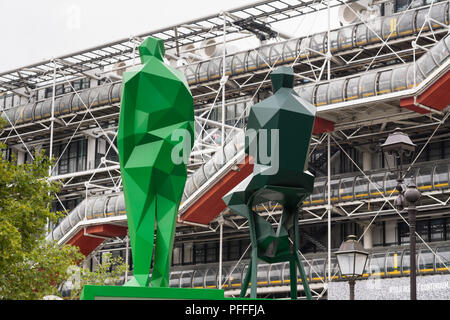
(186, 279)
(376, 188)
(377, 264)
(393, 260)
(424, 178)
(198, 278)
(384, 82)
(211, 278)
(346, 189)
(318, 195)
(351, 91)
(426, 261)
(275, 274)
(317, 269)
(334, 197)
(174, 280)
(361, 187)
(441, 179)
(443, 259)
(290, 50)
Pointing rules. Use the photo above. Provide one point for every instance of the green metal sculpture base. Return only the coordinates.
(148, 293)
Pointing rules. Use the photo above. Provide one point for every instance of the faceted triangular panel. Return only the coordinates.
(283, 180)
(156, 101)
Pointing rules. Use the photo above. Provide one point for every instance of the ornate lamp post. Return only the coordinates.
(399, 145)
(352, 260)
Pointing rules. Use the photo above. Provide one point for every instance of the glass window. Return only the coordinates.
(423, 178)
(198, 278)
(384, 82)
(263, 56)
(367, 85)
(443, 259)
(199, 253)
(393, 262)
(290, 50)
(174, 280)
(276, 54)
(236, 276)
(426, 261)
(346, 189)
(211, 278)
(399, 78)
(440, 52)
(406, 266)
(351, 91)
(317, 269)
(334, 191)
(251, 60)
(59, 89)
(361, 187)
(263, 274)
(345, 38)
(202, 73)
(436, 229)
(211, 252)
(213, 69)
(233, 250)
(318, 194)
(336, 93)
(422, 228)
(238, 62)
(377, 264)
(376, 188)
(275, 274)
(335, 272)
(186, 279)
(401, 5)
(322, 95)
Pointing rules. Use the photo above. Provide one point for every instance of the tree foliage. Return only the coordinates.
(108, 272)
(30, 268)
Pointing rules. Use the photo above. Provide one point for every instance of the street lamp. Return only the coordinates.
(400, 145)
(352, 260)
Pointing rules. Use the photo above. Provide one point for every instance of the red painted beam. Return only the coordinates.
(210, 204)
(107, 230)
(322, 125)
(437, 96)
(87, 243)
(408, 103)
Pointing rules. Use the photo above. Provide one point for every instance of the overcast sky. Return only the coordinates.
(33, 31)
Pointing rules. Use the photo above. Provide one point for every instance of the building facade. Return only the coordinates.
(380, 72)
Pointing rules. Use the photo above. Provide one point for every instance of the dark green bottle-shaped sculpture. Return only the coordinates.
(283, 124)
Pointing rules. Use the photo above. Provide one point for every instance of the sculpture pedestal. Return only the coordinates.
(140, 293)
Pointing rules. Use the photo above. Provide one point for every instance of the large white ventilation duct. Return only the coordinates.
(210, 48)
(362, 10)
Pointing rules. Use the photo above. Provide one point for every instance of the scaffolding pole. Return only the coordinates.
(329, 208)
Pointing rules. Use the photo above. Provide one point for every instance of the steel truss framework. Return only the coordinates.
(357, 123)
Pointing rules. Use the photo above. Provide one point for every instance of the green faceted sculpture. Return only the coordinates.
(288, 120)
(156, 117)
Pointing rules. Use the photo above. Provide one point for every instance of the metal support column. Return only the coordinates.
(223, 81)
(412, 252)
(220, 252)
(329, 208)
